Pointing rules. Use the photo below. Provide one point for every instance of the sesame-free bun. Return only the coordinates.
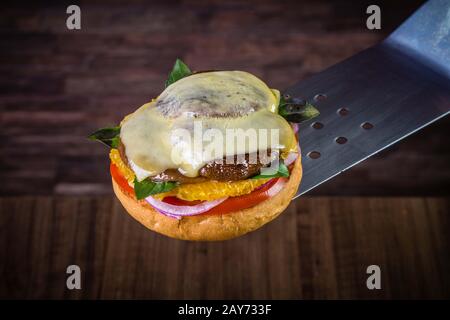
(212, 227)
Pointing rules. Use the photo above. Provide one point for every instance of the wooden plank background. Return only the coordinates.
(319, 248)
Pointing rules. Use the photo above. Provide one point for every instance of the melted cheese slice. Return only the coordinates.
(163, 134)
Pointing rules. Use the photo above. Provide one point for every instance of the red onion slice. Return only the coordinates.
(277, 187)
(263, 185)
(294, 127)
(292, 156)
(179, 211)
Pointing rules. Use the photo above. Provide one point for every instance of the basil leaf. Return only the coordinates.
(282, 102)
(146, 187)
(107, 136)
(179, 71)
(296, 110)
(282, 171)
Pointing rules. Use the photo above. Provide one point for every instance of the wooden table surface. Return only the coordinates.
(319, 248)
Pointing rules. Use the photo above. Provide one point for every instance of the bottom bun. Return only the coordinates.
(213, 227)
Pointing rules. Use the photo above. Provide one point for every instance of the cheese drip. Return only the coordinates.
(156, 136)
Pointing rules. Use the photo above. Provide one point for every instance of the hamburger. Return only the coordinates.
(213, 157)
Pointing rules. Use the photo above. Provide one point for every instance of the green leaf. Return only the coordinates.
(282, 171)
(146, 187)
(296, 110)
(282, 101)
(179, 71)
(107, 136)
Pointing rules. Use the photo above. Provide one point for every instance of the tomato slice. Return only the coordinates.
(245, 201)
(120, 179)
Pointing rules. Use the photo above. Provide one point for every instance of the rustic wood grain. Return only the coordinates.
(57, 86)
(319, 248)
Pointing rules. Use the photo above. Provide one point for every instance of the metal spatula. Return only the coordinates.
(377, 97)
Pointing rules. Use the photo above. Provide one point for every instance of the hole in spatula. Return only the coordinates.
(314, 154)
(317, 125)
(341, 140)
(319, 97)
(343, 111)
(366, 125)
